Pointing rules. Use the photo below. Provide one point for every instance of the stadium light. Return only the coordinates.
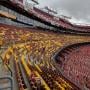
(50, 10)
(66, 17)
(35, 1)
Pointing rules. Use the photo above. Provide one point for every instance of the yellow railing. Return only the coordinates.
(27, 69)
(44, 83)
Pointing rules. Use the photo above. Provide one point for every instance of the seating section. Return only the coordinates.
(60, 22)
(75, 64)
(32, 51)
(50, 18)
(64, 23)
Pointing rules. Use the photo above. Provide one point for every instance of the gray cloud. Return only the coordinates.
(78, 9)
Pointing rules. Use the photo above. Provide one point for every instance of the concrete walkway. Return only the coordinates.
(4, 83)
(4, 72)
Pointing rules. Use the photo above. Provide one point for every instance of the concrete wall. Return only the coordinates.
(21, 18)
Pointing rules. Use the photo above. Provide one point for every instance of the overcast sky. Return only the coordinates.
(79, 10)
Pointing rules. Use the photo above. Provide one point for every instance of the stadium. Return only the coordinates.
(41, 51)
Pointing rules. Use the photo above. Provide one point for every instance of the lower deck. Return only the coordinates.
(27, 59)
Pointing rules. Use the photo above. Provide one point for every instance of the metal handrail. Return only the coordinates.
(11, 82)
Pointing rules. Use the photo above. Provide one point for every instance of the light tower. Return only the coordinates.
(50, 10)
(35, 1)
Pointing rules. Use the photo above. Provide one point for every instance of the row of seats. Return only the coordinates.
(35, 56)
(41, 75)
(19, 77)
(34, 80)
(75, 64)
(53, 77)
